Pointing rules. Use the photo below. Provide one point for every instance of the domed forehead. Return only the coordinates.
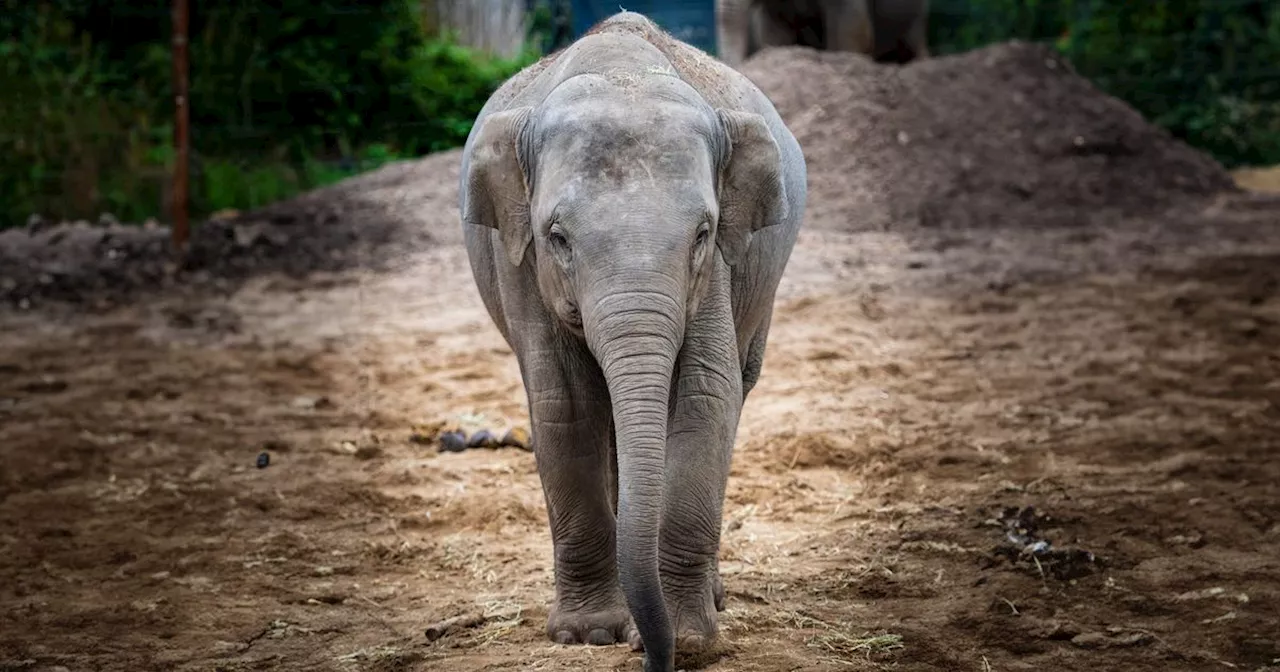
(609, 133)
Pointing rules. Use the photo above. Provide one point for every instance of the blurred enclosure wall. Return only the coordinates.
(693, 22)
(292, 94)
(496, 26)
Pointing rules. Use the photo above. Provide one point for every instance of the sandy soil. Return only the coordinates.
(980, 443)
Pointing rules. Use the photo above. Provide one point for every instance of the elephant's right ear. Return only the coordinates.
(497, 184)
(752, 192)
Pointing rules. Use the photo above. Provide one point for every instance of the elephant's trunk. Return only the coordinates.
(635, 334)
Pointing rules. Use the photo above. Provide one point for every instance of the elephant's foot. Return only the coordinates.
(692, 636)
(696, 633)
(598, 627)
(696, 621)
(697, 627)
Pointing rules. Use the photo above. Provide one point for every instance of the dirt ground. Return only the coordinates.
(986, 448)
(914, 389)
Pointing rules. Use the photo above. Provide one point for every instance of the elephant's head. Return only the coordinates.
(624, 196)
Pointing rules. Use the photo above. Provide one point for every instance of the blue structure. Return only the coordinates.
(693, 21)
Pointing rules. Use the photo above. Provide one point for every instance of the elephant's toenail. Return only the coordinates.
(636, 643)
(565, 637)
(691, 643)
(600, 637)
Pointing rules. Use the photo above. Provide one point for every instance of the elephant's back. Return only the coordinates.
(719, 84)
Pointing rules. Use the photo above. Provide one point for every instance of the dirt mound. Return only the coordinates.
(1008, 134)
(369, 221)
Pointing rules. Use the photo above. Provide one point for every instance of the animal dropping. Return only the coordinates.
(453, 442)
(483, 439)
(517, 437)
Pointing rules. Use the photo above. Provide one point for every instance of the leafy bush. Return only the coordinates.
(1207, 70)
(284, 96)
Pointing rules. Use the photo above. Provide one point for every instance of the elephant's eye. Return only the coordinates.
(560, 246)
(701, 240)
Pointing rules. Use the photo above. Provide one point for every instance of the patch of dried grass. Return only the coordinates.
(838, 638)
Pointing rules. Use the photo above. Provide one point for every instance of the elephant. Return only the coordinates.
(888, 31)
(629, 205)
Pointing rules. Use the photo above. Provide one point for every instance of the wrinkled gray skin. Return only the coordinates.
(629, 206)
(893, 31)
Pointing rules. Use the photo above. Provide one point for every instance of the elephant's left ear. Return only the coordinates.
(496, 186)
(752, 194)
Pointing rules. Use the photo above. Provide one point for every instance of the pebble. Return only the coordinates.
(264, 459)
(1090, 640)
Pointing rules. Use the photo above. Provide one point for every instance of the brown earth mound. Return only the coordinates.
(1001, 135)
(369, 221)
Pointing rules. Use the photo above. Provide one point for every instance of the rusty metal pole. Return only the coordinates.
(181, 137)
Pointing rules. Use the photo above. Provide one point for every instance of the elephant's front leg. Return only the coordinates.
(571, 421)
(704, 422)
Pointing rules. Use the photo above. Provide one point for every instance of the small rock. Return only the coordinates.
(517, 437)
(311, 403)
(483, 439)
(247, 234)
(453, 442)
(264, 459)
(1037, 548)
(1090, 640)
(1131, 639)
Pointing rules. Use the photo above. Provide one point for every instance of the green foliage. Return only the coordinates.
(285, 96)
(68, 134)
(1207, 70)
